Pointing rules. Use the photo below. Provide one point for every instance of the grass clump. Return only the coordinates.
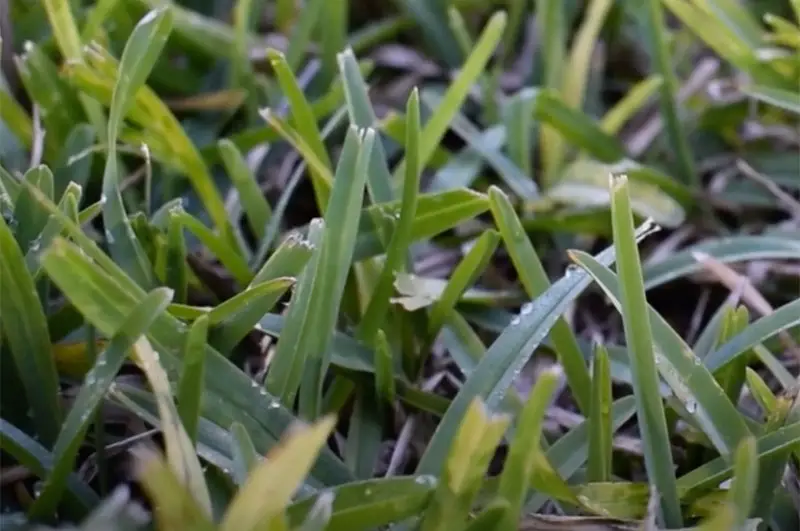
(343, 266)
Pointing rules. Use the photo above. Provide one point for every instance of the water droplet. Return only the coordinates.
(109, 237)
(426, 480)
(572, 268)
(515, 321)
(368, 492)
(103, 199)
(35, 245)
(526, 308)
(691, 406)
(273, 404)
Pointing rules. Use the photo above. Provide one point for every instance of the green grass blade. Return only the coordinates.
(630, 104)
(31, 454)
(370, 504)
(783, 318)
(656, 28)
(364, 434)
(190, 385)
(463, 470)
(463, 276)
(403, 233)
(176, 274)
(175, 507)
(638, 336)
(241, 313)
(179, 448)
(534, 278)
(552, 26)
(262, 497)
(94, 388)
(525, 448)
(253, 201)
(245, 457)
(25, 329)
(457, 92)
(229, 393)
(784, 99)
(600, 434)
(506, 358)
(303, 120)
(141, 51)
(433, 23)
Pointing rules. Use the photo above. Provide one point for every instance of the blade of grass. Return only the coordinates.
(255, 204)
(552, 26)
(245, 457)
(522, 458)
(402, 236)
(25, 329)
(91, 393)
(638, 336)
(507, 356)
(463, 471)
(655, 28)
(190, 385)
(457, 92)
(534, 278)
(262, 497)
(600, 434)
(141, 51)
(29, 453)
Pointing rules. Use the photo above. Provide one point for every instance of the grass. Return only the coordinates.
(348, 266)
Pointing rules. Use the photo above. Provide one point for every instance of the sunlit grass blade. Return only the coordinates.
(26, 334)
(463, 470)
(600, 434)
(30, 453)
(638, 336)
(402, 236)
(784, 99)
(180, 451)
(632, 102)
(96, 383)
(507, 356)
(190, 385)
(263, 496)
(175, 508)
(255, 204)
(525, 448)
(534, 278)
(435, 128)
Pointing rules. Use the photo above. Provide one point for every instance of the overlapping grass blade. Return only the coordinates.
(245, 458)
(96, 383)
(263, 496)
(533, 277)
(525, 449)
(229, 393)
(140, 54)
(403, 233)
(463, 470)
(691, 382)
(253, 201)
(29, 452)
(783, 318)
(25, 329)
(656, 29)
(364, 505)
(507, 356)
(638, 336)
